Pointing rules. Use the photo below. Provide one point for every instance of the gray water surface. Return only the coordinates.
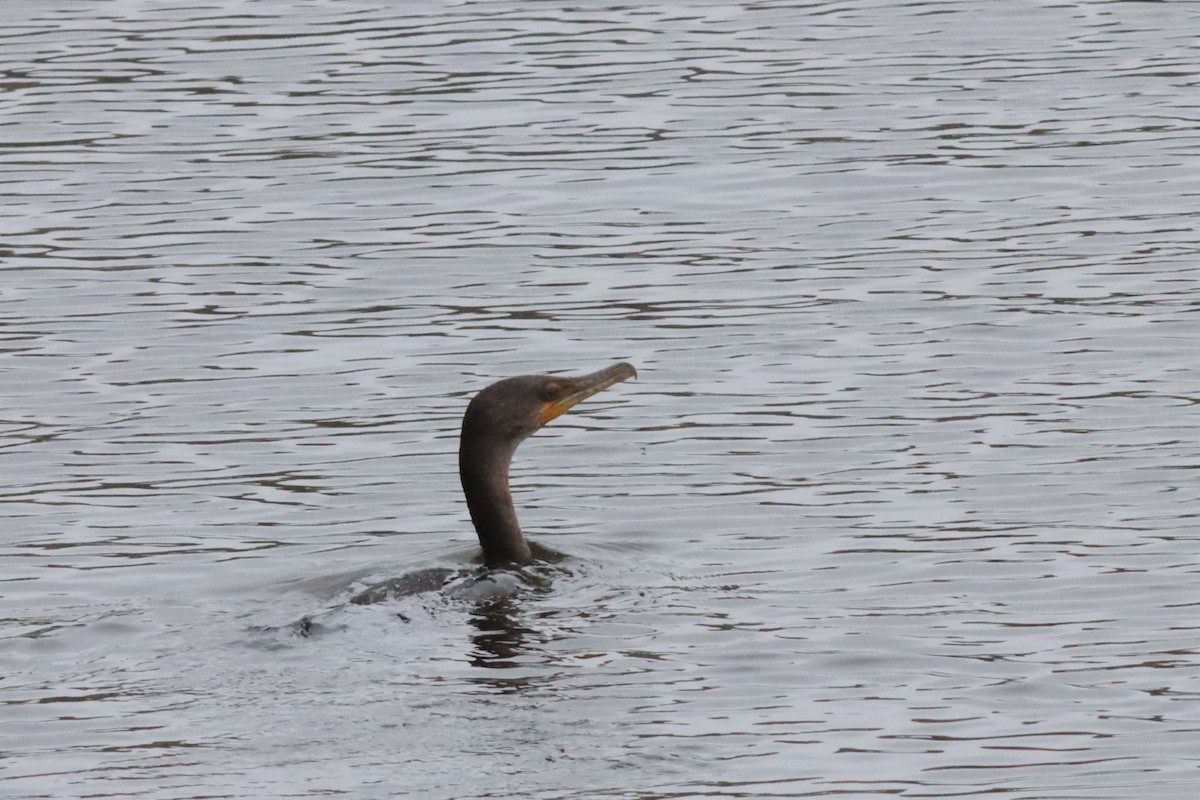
(904, 503)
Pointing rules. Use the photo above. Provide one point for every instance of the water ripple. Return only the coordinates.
(902, 502)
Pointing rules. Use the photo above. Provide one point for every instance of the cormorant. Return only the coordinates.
(497, 420)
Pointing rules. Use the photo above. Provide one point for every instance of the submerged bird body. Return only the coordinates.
(497, 420)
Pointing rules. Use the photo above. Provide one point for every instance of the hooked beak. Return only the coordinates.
(583, 387)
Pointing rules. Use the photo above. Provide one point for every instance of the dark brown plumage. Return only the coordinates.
(498, 419)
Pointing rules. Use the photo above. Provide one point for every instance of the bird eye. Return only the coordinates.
(551, 390)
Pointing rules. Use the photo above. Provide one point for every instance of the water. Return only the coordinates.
(904, 502)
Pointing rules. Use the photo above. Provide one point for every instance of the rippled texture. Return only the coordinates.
(904, 502)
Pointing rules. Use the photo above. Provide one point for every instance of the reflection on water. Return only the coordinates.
(903, 502)
(499, 640)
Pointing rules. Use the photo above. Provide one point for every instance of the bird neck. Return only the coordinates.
(483, 468)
